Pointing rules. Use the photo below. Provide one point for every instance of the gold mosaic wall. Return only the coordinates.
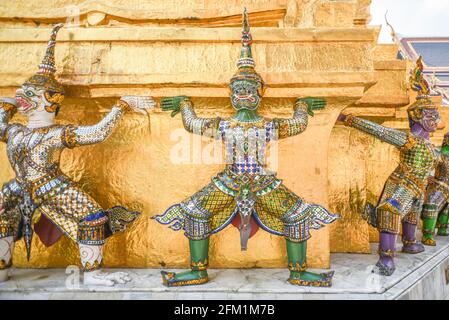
(161, 48)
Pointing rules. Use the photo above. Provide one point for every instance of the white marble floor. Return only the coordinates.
(353, 280)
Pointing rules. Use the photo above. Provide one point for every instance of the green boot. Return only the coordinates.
(442, 224)
(198, 263)
(428, 231)
(297, 265)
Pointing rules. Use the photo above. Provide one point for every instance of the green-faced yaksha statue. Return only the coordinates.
(246, 192)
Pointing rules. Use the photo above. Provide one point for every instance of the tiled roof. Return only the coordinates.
(435, 54)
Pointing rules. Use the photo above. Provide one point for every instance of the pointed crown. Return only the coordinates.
(45, 76)
(419, 84)
(246, 63)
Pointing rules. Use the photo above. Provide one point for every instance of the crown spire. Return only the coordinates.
(246, 66)
(246, 56)
(418, 82)
(45, 76)
(47, 66)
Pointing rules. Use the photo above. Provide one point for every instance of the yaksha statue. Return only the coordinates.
(34, 152)
(403, 193)
(246, 191)
(435, 212)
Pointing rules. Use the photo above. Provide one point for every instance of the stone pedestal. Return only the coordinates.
(417, 277)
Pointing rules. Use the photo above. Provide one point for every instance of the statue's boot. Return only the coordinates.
(387, 246)
(410, 245)
(198, 263)
(6, 250)
(296, 252)
(442, 225)
(428, 231)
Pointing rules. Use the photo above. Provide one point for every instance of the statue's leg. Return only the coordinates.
(199, 257)
(90, 238)
(207, 210)
(434, 203)
(428, 231)
(429, 223)
(6, 250)
(387, 247)
(84, 221)
(443, 222)
(297, 264)
(92, 232)
(91, 256)
(297, 217)
(388, 224)
(91, 260)
(409, 225)
(9, 225)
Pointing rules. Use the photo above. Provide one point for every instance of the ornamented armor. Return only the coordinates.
(246, 187)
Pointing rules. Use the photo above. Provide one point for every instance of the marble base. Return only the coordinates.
(421, 276)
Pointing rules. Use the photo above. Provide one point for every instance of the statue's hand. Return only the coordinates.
(342, 117)
(9, 100)
(173, 104)
(139, 103)
(313, 104)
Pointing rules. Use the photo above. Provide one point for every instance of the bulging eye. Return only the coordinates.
(29, 93)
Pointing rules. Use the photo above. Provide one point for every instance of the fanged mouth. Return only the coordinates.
(248, 97)
(23, 103)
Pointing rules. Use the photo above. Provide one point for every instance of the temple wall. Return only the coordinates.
(162, 48)
(359, 163)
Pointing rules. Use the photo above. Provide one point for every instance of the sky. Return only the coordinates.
(411, 18)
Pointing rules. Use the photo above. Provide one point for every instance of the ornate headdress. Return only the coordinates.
(246, 63)
(419, 84)
(45, 77)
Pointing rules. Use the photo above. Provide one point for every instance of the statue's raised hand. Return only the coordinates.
(173, 104)
(313, 104)
(139, 103)
(9, 100)
(342, 117)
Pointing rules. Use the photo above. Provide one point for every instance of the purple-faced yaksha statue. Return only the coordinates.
(403, 193)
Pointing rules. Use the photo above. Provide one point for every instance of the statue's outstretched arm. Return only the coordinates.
(73, 136)
(298, 123)
(397, 138)
(192, 123)
(7, 110)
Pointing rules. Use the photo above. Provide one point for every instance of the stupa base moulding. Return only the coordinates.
(417, 277)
